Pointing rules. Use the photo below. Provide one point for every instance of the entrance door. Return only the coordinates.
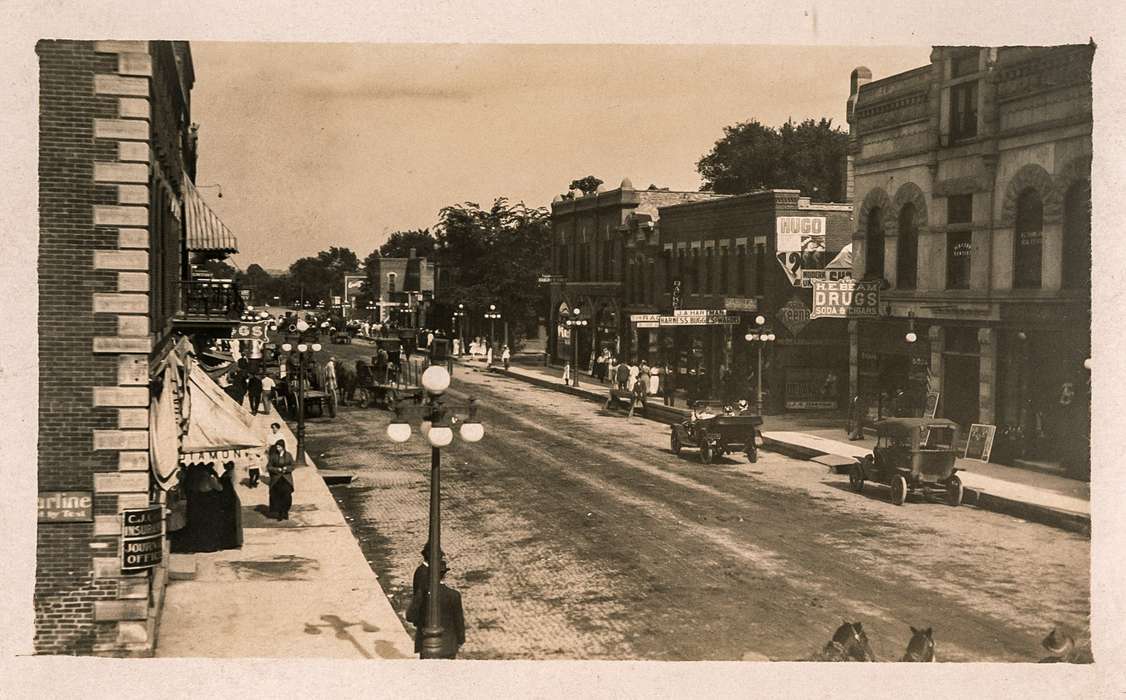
(960, 389)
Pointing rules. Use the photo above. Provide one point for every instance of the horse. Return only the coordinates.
(346, 381)
(921, 646)
(849, 643)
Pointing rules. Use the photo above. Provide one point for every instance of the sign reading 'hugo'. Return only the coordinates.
(142, 538)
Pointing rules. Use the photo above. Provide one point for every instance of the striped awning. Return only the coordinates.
(206, 232)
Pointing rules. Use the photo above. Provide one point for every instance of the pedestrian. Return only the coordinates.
(429, 339)
(489, 356)
(280, 467)
(668, 385)
(566, 373)
(451, 617)
(633, 372)
(506, 357)
(638, 397)
(239, 385)
(267, 392)
(422, 573)
(457, 347)
(254, 388)
(363, 383)
(230, 536)
(330, 380)
(643, 377)
(622, 376)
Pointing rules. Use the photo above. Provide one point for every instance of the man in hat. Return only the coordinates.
(1062, 649)
(451, 615)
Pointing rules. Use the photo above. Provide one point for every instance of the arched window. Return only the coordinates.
(874, 248)
(1028, 240)
(907, 260)
(391, 277)
(1077, 236)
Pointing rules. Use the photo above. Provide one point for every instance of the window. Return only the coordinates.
(963, 111)
(1028, 240)
(907, 261)
(959, 246)
(1077, 236)
(724, 261)
(760, 269)
(391, 277)
(963, 65)
(960, 209)
(741, 270)
(874, 245)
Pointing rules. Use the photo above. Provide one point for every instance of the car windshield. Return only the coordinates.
(937, 438)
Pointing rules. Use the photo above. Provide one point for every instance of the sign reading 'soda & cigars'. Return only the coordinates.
(142, 538)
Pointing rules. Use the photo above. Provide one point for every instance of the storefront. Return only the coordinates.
(894, 375)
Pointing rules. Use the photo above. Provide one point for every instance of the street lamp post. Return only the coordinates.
(459, 321)
(439, 432)
(303, 348)
(761, 336)
(575, 322)
(492, 315)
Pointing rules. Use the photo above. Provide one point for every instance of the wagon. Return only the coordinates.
(716, 429)
(912, 455)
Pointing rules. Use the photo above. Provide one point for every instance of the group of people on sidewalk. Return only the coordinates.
(638, 378)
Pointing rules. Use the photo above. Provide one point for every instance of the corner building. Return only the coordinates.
(971, 180)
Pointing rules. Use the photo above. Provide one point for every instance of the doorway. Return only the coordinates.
(960, 385)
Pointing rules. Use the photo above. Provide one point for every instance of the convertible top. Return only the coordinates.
(900, 426)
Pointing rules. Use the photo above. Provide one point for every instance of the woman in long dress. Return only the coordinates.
(280, 467)
(230, 536)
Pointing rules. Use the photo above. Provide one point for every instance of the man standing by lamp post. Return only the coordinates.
(574, 322)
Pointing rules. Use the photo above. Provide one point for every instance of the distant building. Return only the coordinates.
(402, 290)
(119, 220)
(972, 201)
(587, 260)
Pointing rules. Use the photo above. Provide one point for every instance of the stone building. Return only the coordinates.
(587, 263)
(727, 261)
(116, 207)
(972, 203)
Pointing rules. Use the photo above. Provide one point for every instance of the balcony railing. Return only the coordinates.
(210, 299)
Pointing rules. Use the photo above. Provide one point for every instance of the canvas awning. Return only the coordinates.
(843, 260)
(219, 430)
(206, 232)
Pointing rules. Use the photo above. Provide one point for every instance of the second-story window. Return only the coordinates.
(741, 269)
(760, 269)
(1028, 246)
(907, 258)
(963, 111)
(391, 279)
(874, 244)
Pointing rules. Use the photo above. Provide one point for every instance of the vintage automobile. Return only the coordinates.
(912, 454)
(718, 429)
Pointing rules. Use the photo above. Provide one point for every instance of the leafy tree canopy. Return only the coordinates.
(399, 244)
(808, 156)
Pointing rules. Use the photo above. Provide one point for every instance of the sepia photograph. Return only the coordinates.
(602, 350)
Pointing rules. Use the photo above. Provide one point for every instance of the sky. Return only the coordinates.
(315, 145)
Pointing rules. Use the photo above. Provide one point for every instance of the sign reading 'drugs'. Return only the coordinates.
(142, 538)
(66, 507)
(845, 299)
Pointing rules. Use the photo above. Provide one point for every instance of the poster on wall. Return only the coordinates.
(800, 245)
(931, 408)
(812, 388)
(980, 442)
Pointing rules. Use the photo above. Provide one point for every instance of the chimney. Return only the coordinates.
(860, 76)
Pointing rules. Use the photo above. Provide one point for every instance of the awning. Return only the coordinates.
(219, 429)
(206, 232)
(843, 260)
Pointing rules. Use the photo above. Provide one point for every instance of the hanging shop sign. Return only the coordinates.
(794, 315)
(142, 538)
(699, 317)
(352, 286)
(66, 507)
(845, 298)
(551, 279)
(257, 330)
(743, 304)
(800, 245)
(645, 320)
(676, 287)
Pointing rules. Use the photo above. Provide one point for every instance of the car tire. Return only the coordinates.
(898, 489)
(954, 491)
(856, 478)
(675, 443)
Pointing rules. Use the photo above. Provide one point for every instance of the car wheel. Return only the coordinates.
(675, 442)
(898, 489)
(706, 452)
(954, 491)
(856, 478)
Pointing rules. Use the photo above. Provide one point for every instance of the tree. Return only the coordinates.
(808, 156)
(399, 244)
(585, 185)
(320, 278)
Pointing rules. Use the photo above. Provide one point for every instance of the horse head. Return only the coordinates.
(851, 638)
(921, 646)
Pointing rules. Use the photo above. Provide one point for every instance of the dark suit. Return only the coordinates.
(281, 483)
(451, 615)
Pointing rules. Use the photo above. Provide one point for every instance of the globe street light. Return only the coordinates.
(459, 329)
(492, 315)
(438, 428)
(574, 322)
(761, 336)
(303, 349)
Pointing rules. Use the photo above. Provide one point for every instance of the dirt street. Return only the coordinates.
(574, 533)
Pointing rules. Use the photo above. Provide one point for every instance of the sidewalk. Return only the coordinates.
(300, 588)
(1044, 498)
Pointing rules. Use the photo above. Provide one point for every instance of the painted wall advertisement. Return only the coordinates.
(66, 507)
(845, 298)
(353, 284)
(142, 538)
(800, 246)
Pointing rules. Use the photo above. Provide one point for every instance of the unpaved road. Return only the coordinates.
(576, 534)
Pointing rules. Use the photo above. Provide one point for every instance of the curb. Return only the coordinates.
(1044, 515)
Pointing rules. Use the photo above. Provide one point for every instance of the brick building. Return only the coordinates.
(587, 259)
(972, 197)
(402, 290)
(116, 156)
(736, 258)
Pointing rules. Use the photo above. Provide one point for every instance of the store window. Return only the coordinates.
(1077, 236)
(907, 260)
(1028, 240)
(963, 111)
(874, 244)
(959, 247)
